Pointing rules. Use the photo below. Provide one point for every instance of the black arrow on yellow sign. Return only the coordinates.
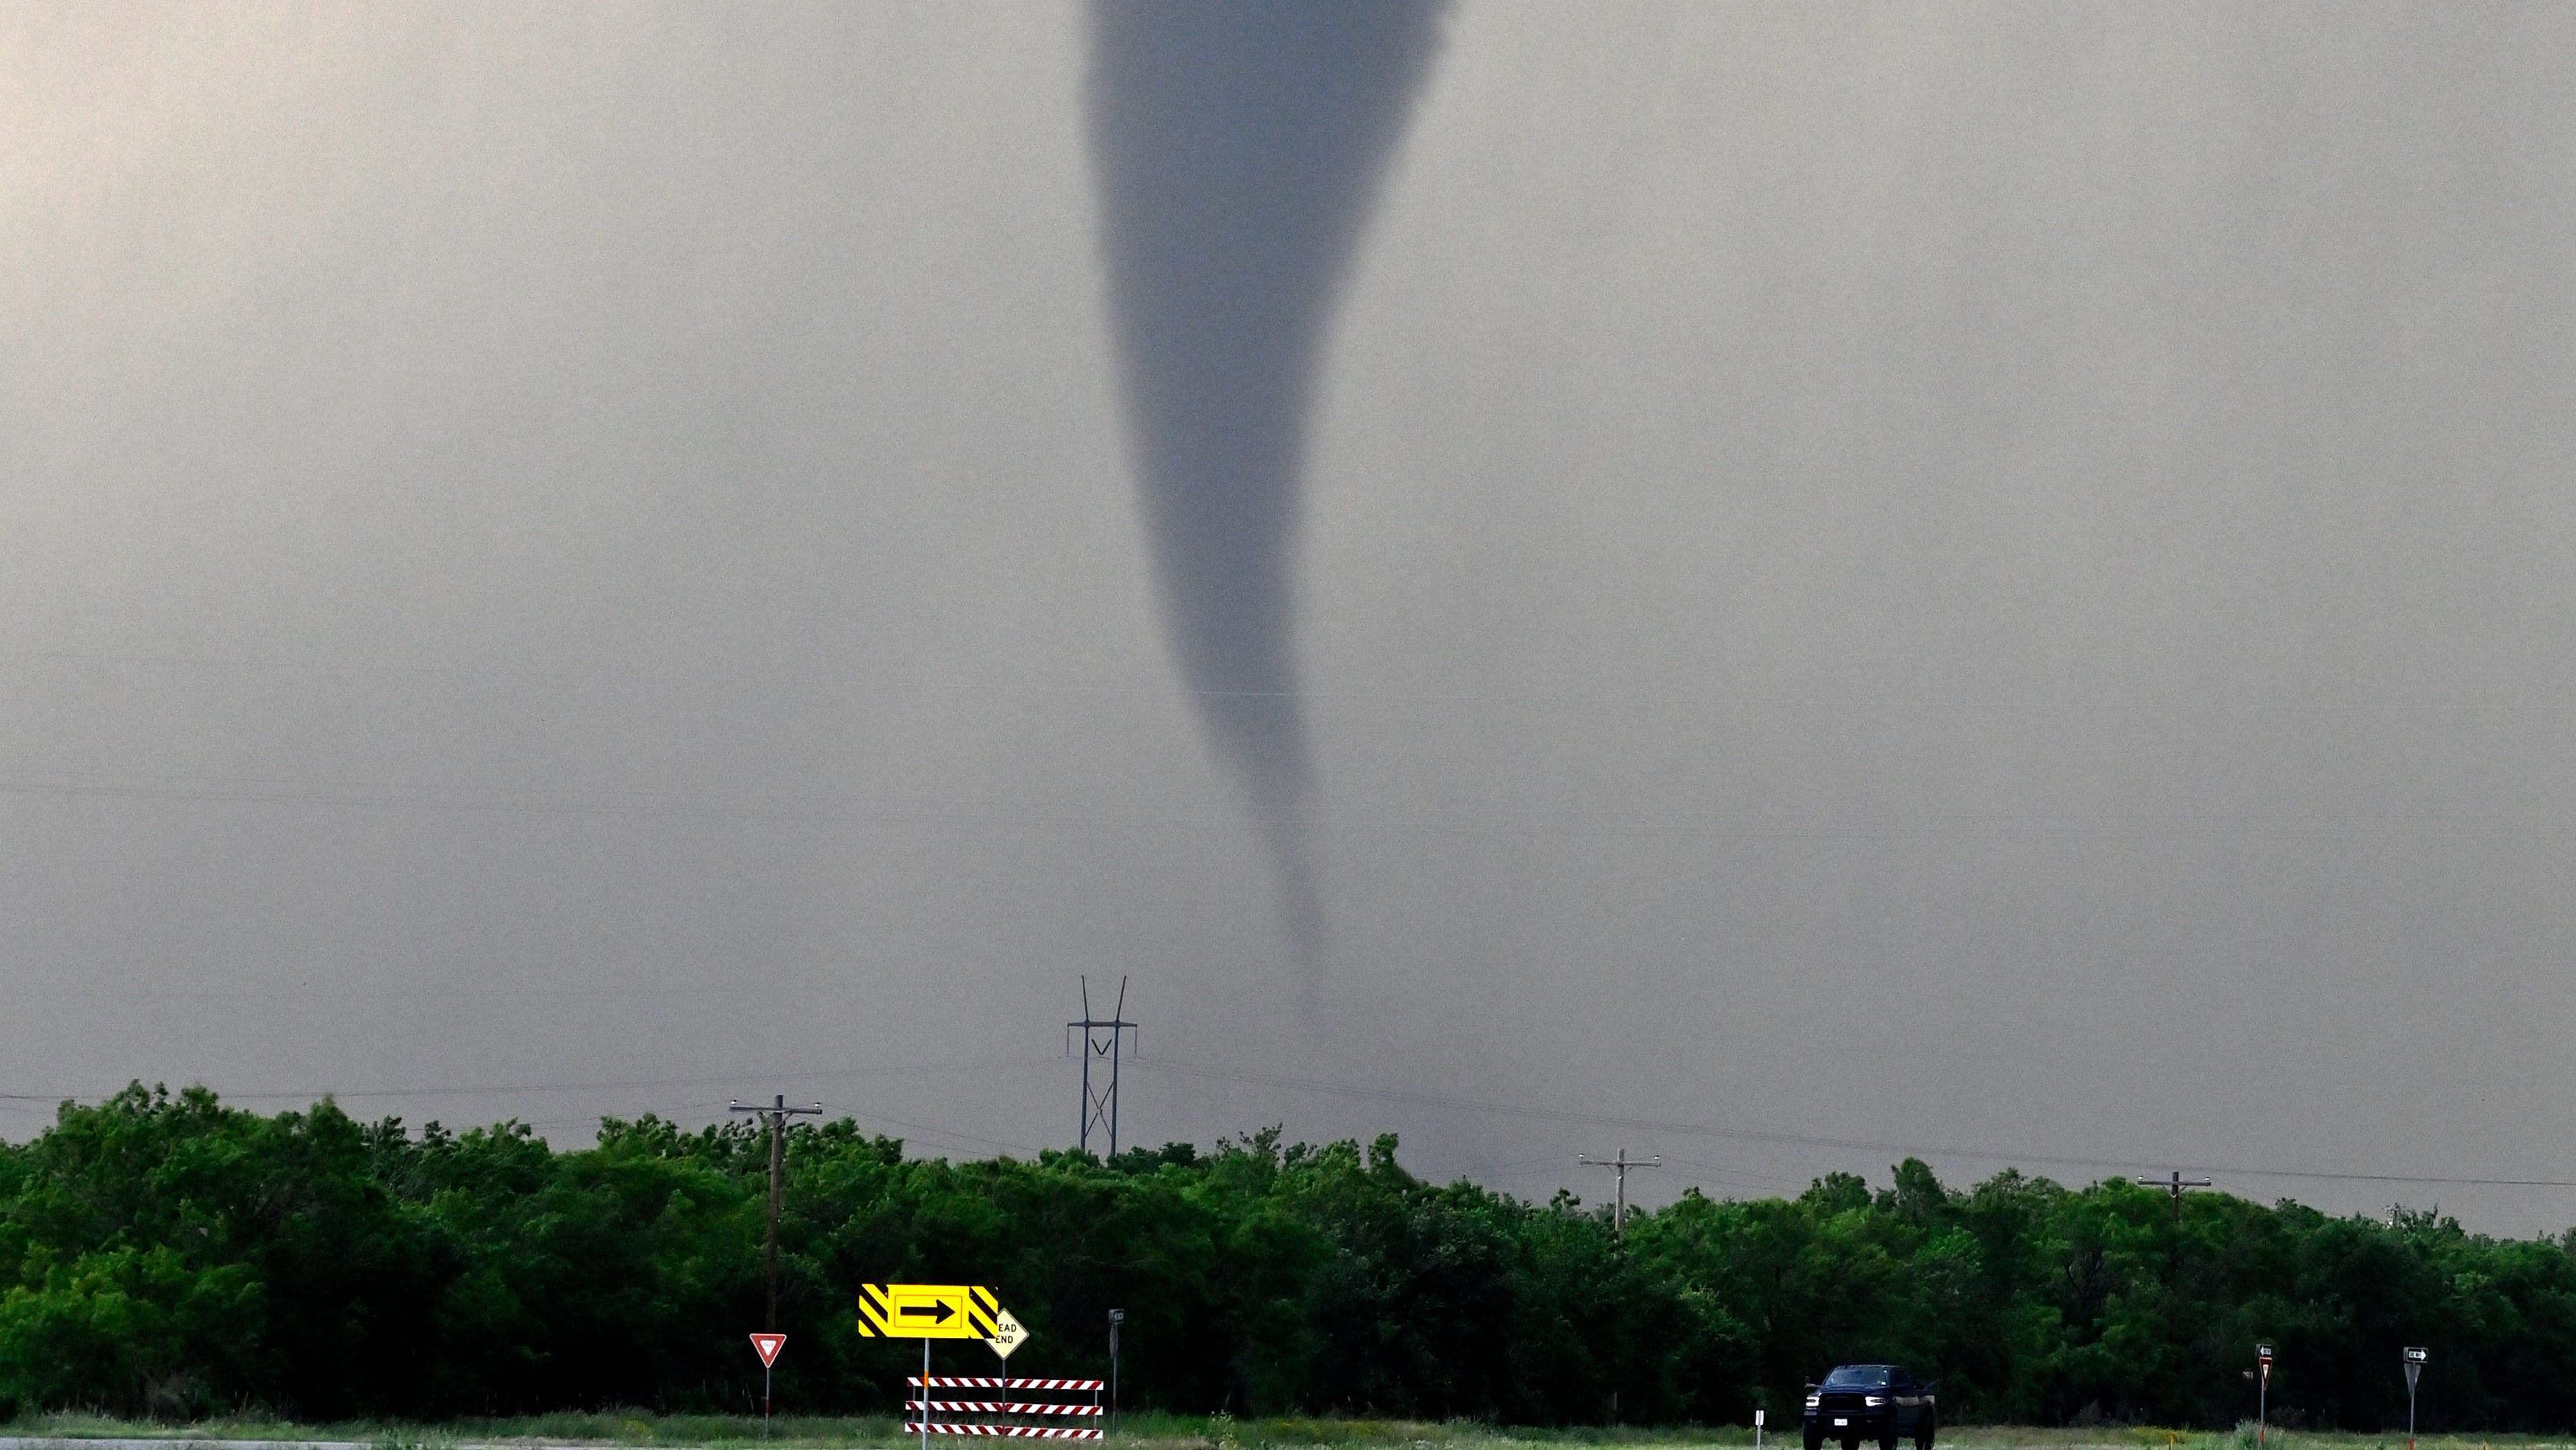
(926, 1311)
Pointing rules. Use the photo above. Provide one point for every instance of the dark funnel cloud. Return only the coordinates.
(1238, 147)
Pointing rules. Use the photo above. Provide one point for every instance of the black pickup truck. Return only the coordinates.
(1881, 1402)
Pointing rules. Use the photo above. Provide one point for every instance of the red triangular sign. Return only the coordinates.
(768, 1345)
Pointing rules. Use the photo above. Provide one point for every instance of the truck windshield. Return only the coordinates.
(1858, 1377)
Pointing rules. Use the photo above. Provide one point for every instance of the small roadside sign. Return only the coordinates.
(2416, 1354)
(767, 1347)
(925, 1311)
(1008, 1334)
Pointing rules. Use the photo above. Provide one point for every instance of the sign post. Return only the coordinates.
(2414, 1362)
(2263, 1394)
(1757, 1430)
(767, 1347)
(1116, 1318)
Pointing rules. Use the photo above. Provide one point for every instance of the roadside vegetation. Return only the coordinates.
(167, 1259)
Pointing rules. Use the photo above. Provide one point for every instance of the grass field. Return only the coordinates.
(1166, 1432)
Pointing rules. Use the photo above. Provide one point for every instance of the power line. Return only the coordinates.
(1022, 816)
(1152, 686)
(936, 1132)
(1804, 1140)
(482, 1090)
(1723, 1171)
(1512, 1169)
(592, 1120)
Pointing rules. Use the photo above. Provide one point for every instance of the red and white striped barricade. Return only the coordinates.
(931, 1410)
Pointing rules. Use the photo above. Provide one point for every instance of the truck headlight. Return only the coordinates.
(1873, 1401)
(1813, 1401)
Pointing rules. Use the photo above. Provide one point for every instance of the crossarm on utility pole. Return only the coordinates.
(2174, 1183)
(1619, 1167)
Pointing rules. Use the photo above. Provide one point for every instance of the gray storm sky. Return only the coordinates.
(1990, 578)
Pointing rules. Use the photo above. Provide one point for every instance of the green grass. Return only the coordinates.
(616, 1428)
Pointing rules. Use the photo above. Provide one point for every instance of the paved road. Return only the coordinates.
(202, 1442)
(82, 1442)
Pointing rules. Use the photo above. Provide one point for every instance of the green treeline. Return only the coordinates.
(169, 1255)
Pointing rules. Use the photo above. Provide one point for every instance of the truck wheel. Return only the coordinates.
(1851, 1442)
(1924, 1432)
(1887, 1434)
(1815, 1438)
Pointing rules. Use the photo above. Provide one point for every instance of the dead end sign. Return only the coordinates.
(767, 1346)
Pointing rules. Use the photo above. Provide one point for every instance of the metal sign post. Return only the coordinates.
(1757, 1430)
(1116, 1318)
(2414, 1362)
(767, 1347)
(2263, 1395)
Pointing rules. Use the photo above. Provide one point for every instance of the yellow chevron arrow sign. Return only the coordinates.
(926, 1311)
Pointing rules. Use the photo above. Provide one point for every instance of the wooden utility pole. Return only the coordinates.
(777, 1112)
(1619, 1166)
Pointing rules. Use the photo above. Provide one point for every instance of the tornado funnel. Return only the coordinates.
(1238, 146)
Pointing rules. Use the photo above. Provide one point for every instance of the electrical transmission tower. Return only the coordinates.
(1620, 1166)
(1102, 1040)
(777, 1112)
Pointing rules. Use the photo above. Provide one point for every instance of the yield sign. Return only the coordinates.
(768, 1346)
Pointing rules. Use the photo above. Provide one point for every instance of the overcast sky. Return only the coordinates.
(1990, 579)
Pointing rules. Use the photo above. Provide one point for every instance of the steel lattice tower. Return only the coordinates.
(1102, 1041)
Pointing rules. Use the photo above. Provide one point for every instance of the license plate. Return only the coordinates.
(1842, 1422)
